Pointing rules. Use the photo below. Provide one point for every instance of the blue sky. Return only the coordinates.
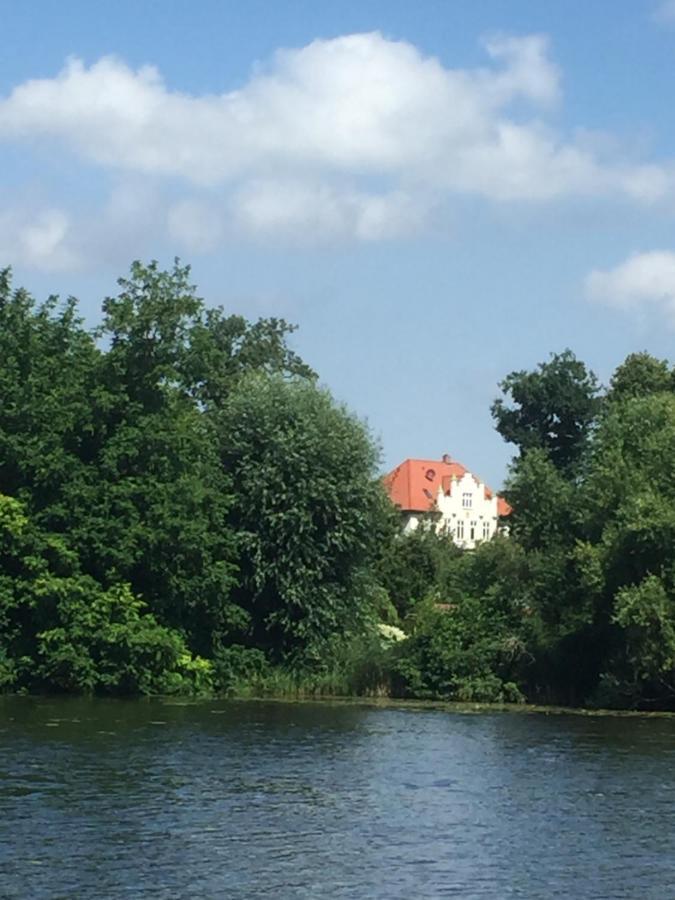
(437, 193)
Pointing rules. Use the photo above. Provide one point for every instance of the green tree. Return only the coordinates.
(646, 614)
(114, 451)
(47, 382)
(61, 630)
(551, 408)
(307, 510)
(155, 510)
(152, 508)
(465, 653)
(640, 375)
(542, 499)
(409, 566)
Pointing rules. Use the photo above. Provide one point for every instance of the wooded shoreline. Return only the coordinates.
(184, 510)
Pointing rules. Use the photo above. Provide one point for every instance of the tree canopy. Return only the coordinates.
(172, 483)
(578, 606)
(551, 408)
(184, 509)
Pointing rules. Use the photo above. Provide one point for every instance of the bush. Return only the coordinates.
(237, 669)
(102, 641)
(460, 653)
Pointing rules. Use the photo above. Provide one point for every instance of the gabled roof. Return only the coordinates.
(414, 484)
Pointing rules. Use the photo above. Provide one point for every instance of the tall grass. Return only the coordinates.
(361, 668)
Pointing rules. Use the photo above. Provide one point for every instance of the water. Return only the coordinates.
(108, 799)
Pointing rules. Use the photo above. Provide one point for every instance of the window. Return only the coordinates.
(460, 530)
(486, 531)
(472, 531)
(467, 500)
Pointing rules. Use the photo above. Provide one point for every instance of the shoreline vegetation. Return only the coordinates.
(186, 511)
(368, 702)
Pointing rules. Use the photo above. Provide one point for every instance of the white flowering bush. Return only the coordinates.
(391, 633)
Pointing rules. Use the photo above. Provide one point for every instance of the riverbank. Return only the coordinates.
(382, 702)
(458, 707)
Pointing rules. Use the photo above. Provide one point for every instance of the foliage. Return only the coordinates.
(583, 592)
(237, 667)
(184, 510)
(102, 640)
(462, 653)
(409, 566)
(307, 511)
(129, 504)
(640, 375)
(60, 629)
(551, 408)
(360, 666)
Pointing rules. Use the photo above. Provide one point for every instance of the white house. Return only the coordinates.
(447, 494)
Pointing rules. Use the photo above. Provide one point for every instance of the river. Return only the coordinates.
(234, 799)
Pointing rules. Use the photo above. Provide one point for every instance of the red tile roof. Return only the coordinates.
(414, 485)
(503, 508)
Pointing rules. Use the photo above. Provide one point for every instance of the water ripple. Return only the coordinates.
(237, 800)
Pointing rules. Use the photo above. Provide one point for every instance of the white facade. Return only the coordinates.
(463, 512)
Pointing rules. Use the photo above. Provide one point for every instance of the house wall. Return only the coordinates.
(463, 514)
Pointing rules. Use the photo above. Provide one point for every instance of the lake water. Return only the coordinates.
(107, 799)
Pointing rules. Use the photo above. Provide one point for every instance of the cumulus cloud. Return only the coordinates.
(52, 239)
(294, 208)
(342, 137)
(643, 282)
(41, 239)
(359, 103)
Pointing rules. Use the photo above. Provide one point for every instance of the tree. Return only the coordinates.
(307, 510)
(151, 507)
(154, 511)
(640, 375)
(552, 408)
(410, 566)
(113, 450)
(61, 630)
(542, 499)
(47, 388)
(646, 614)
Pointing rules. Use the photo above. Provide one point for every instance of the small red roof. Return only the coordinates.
(503, 508)
(414, 485)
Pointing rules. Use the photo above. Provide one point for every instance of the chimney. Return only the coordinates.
(446, 459)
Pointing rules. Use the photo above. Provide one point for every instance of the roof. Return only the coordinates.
(503, 508)
(415, 483)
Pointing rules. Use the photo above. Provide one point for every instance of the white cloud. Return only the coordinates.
(40, 240)
(359, 103)
(347, 137)
(643, 282)
(528, 71)
(51, 239)
(320, 212)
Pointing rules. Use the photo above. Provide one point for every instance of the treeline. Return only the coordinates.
(577, 605)
(183, 509)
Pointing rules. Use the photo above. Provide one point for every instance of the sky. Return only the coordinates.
(437, 193)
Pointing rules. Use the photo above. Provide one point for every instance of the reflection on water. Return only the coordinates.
(111, 799)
